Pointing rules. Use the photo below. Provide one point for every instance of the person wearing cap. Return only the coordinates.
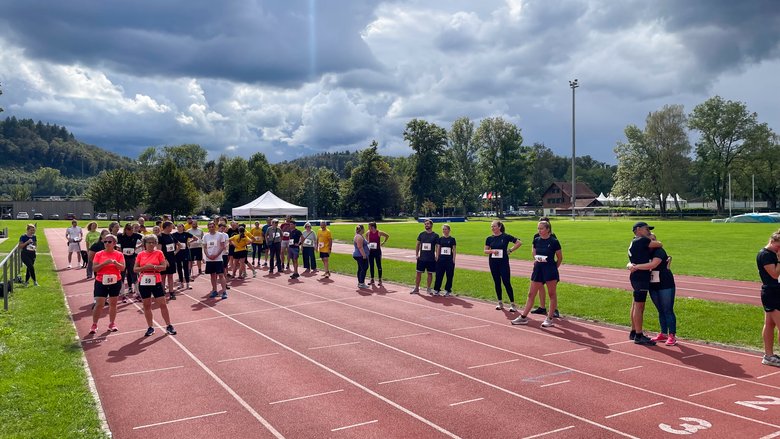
(108, 265)
(769, 271)
(273, 237)
(662, 291)
(308, 245)
(639, 252)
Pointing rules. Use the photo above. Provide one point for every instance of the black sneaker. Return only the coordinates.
(172, 297)
(169, 329)
(643, 340)
(540, 310)
(149, 332)
(632, 335)
(556, 314)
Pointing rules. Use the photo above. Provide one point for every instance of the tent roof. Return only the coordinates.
(269, 204)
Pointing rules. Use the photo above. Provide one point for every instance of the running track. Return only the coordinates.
(721, 290)
(318, 358)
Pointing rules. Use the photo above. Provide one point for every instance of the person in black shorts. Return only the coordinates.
(168, 246)
(769, 271)
(182, 251)
(542, 308)
(547, 256)
(426, 256)
(128, 243)
(639, 252)
(445, 261)
(148, 265)
(497, 246)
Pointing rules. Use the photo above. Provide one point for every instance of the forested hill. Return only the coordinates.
(337, 161)
(28, 145)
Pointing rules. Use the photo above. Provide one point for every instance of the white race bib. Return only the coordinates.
(212, 244)
(286, 234)
(109, 279)
(320, 244)
(276, 235)
(76, 238)
(372, 246)
(655, 277)
(307, 242)
(182, 246)
(128, 251)
(148, 279)
(426, 246)
(446, 251)
(170, 248)
(499, 253)
(541, 258)
(31, 247)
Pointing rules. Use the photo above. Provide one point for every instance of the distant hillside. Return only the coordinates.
(336, 161)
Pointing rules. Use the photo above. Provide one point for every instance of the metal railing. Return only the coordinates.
(10, 273)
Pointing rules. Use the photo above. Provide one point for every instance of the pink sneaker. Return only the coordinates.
(659, 338)
(112, 327)
(93, 328)
(672, 340)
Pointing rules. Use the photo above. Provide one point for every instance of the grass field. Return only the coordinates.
(726, 251)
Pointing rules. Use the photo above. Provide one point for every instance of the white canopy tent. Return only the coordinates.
(269, 204)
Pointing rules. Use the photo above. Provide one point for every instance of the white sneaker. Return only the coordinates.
(771, 360)
(429, 291)
(70, 266)
(414, 291)
(547, 323)
(520, 321)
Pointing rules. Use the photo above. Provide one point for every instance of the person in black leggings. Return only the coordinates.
(496, 245)
(28, 243)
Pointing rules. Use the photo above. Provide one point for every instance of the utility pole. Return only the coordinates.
(573, 84)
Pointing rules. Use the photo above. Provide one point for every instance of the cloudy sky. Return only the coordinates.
(293, 77)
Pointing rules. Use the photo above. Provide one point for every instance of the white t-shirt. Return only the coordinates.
(211, 243)
(198, 233)
(227, 240)
(74, 233)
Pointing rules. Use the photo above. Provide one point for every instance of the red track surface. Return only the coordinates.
(318, 358)
(720, 290)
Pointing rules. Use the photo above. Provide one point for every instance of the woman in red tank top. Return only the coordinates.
(376, 239)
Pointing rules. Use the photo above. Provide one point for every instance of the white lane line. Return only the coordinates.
(306, 397)
(549, 432)
(691, 356)
(356, 425)
(409, 378)
(555, 384)
(494, 364)
(334, 345)
(247, 358)
(633, 410)
(620, 342)
(768, 375)
(407, 335)
(179, 420)
(629, 368)
(772, 435)
(145, 371)
(470, 327)
(712, 390)
(466, 402)
(565, 352)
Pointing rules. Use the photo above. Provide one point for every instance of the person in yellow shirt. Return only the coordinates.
(188, 224)
(241, 241)
(257, 243)
(324, 243)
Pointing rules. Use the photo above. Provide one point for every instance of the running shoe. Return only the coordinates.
(189, 287)
(35, 284)
(672, 340)
(169, 329)
(520, 321)
(659, 337)
(380, 282)
(371, 282)
(512, 308)
(448, 294)
(363, 286)
(556, 314)
(540, 310)
(149, 331)
(224, 295)
(429, 291)
(415, 291)
(642, 339)
(124, 298)
(547, 323)
(500, 306)
(307, 271)
(327, 274)
(434, 293)
(70, 266)
(213, 294)
(254, 274)
(26, 284)
(771, 360)
(632, 335)
(113, 327)
(93, 329)
(172, 297)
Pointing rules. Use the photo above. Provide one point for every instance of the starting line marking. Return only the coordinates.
(620, 342)
(629, 368)
(772, 435)
(179, 420)
(470, 327)
(334, 345)
(634, 410)
(466, 402)
(494, 364)
(145, 371)
(691, 356)
(306, 397)
(409, 378)
(768, 375)
(565, 352)
(549, 432)
(555, 384)
(407, 335)
(356, 425)
(247, 358)
(712, 390)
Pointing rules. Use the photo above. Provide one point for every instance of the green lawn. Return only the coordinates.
(696, 319)
(726, 251)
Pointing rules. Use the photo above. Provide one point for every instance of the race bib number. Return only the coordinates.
(128, 251)
(170, 247)
(655, 276)
(182, 246)
(446, 251)
(258, 238)
(148, 279)
(109, 279)
(320, 244)
(373, 246)
(286, 234)
(541, 258)
(498, 253)
(307, 242)
(276, 235)
(426, 247)
(31, 247)
(76, 238)
(212, 244)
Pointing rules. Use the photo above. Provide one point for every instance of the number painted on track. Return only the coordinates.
(771, 400)
(686, 428)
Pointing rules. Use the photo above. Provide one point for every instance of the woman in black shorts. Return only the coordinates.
(547, 256)
(497, 246)
(108, 265)
(769, 270)
(149, 264)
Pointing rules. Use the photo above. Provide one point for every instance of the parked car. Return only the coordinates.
(22, 215)
(202, 218)
(114, 217)
(70, 216)
(38, 216)
(98, 216)
(8, 216)
(86, 216)
(129, 218)
(54, 216)
(181, 217)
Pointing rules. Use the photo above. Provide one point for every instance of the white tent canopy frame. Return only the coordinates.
(269, 204)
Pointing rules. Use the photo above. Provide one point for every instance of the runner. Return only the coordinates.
(324, 243)
(542, 309)
(128, 243)
(167, 244)
(768, 271)
(426, 256)
(241, 241)
(497, 246)
(28, 244)
(74, 235)
(662, 292)
(108, 265)
(92, 237)
(273, 237)
(445, 261)
(294, 248)
(182, 252)
(639, 253)
(266, 247)
(230, 264)
(285, 228)
(308, 245)
(196, 247)
(375, 244)
(547, 256)
(360, 254)
(214, 244)
(148, 264)
(257, 244)
(97, 247)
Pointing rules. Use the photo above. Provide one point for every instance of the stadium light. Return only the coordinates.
(573, 84)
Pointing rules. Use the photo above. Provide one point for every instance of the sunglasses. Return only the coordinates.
(109, 242)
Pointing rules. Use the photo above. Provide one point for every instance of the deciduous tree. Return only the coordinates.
(501, 159)
(171, 191)
(116, 191)
(428, 141)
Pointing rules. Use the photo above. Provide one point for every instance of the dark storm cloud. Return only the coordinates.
(253, 42)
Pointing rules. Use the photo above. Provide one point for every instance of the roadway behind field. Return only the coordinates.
(719, 290)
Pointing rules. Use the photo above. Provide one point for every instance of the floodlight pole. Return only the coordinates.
(573, 84)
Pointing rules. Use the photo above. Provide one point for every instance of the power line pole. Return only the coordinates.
(573, 84)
